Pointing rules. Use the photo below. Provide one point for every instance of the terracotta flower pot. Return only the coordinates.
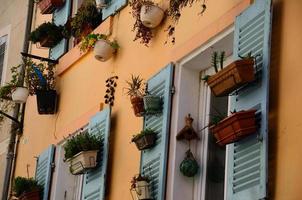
(20, 95)
(103, 51)
(47, 42)
(82, 161)
(151, 15)
(34, 195)
(138, 106)
(86, 29)
(232, 77)
(48, 6)
(144, 141)
(235, 127)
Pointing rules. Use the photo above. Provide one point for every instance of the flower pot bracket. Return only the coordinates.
(235, 127)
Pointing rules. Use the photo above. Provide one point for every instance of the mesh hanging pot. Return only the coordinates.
(189, 166)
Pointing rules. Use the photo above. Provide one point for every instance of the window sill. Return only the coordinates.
(73, 55)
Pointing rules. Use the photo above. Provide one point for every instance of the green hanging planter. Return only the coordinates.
(152, 104)
(189, 167)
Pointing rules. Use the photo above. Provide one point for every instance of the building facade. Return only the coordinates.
(263, 165)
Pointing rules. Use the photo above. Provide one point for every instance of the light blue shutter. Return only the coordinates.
(247, 159)
(113, 7)
(154, 160)
(95, 180)
(60, 17)
(44, 170)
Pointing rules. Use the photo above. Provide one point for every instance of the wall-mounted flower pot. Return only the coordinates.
(47, 42)
(144, 141)
(46, 101)
(143, 190)
(20, 95)
(34, 195)
(103, 51)
(152, 104)
(232, 77)
(48, 6)
(82, 161)
(151, 15)
(138, 106)
(235, 127)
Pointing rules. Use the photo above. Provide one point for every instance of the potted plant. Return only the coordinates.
(103, 47)
(47, 35)
(135, 92)
(145, 139)
(26, 189)
(147, 15)
(40, 80)
(234, 127)
(231, 77)
(48, 6)
(81, 152)
(85, 21)
(140, 188)
(14, 90)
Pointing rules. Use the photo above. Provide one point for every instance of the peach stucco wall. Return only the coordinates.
(82, 86)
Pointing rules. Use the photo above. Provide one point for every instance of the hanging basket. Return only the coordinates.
(34, 195)
(235, 127)
(103, 51)
(146, 141)
(82, 161)
(48, 6)
(46, 101)
(151, 15)
(152, 104)
(20, 95)
(232, 77)
(138, 106)
(189, 166)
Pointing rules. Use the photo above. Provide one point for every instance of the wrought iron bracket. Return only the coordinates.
(27, 55)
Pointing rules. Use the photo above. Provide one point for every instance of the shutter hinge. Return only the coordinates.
(53, 165)
(173, 90)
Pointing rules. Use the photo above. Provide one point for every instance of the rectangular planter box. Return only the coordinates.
(46, 101)
(34, 195)
(232, 77)
(235, 127)
(83, 161)
(48, 6)
(145, 141)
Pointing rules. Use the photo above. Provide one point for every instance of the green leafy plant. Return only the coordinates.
(23, 185)
(89, 41)
(47, 30)
(142, 133)
(143, 33)
(87, 16)
(8, 88)
(81, 142)
(33, 80)
(135, 86)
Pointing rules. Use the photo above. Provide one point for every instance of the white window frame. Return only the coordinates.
(59, 156)
(5, 32)
(187, 100)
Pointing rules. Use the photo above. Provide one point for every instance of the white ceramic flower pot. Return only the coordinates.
(151, 15)
(82, 161)
(143, 190)
(103, 51)
(20, 95)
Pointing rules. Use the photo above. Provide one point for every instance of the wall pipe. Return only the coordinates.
(15, 130)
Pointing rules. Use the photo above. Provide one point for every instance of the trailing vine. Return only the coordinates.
(143, 33)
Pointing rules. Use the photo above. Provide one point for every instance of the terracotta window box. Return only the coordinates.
(138, 106)
(235, 127)
(232, 77)
(48, 6)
